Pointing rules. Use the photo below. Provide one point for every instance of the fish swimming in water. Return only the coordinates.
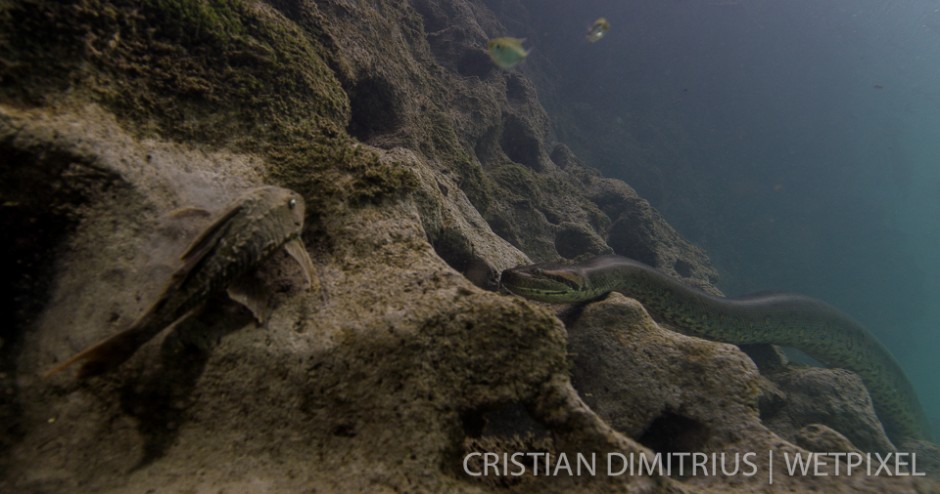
(598, 30)
(506, 52)
(247, 232)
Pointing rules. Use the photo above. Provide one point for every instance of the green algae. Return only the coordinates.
(229, 74)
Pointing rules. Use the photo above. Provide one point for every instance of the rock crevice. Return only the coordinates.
(426, 172)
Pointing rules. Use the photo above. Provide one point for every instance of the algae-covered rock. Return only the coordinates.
(426, 172)
(677, 391)
(377, 371)
(820, 438)
(833, 397)
(677, 394)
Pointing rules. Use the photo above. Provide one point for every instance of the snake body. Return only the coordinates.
(787, 319)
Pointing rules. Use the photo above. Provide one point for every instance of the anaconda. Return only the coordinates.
(810, 325)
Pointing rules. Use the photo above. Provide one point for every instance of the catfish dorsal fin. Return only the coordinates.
(201, 246)
(188, 212)
(208, 238)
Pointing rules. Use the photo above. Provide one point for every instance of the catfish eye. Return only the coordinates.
(291, 203)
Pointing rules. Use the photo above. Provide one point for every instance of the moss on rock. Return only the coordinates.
(232, 74)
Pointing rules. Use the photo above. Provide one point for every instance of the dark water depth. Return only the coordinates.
(797, 141)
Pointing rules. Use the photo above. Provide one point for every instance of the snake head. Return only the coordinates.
(571, 280)
(546, 283)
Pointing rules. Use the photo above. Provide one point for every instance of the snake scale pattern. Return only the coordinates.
(787, 319)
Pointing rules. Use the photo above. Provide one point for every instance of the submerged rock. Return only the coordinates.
(425, 174)
(834, 397)
(677, 394)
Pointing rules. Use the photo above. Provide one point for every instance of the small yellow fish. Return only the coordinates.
(506, 52)
(598, 30)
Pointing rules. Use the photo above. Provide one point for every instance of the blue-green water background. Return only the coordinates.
(798, 141)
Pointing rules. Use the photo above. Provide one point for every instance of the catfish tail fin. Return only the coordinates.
(114, 351)
(102, 356)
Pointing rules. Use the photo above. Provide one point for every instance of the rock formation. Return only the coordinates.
(426, 171)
